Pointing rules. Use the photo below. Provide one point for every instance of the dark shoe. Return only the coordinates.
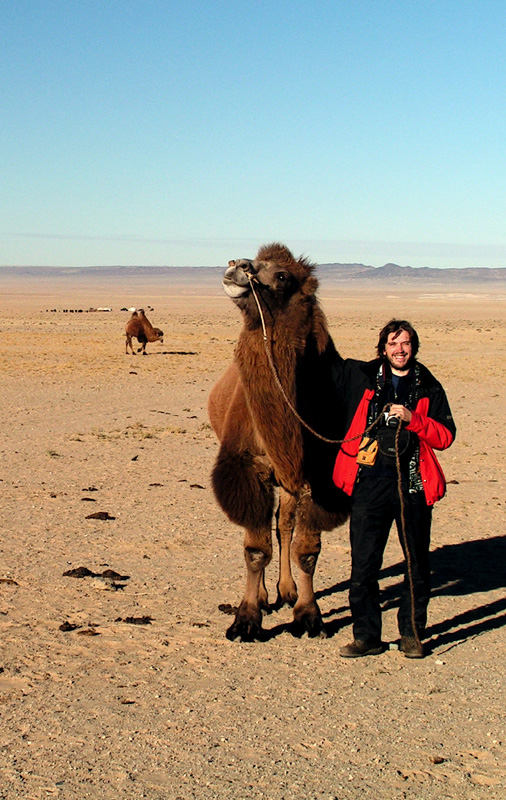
(357, 648)
(411, 647)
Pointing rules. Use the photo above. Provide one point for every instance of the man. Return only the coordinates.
(367, 471)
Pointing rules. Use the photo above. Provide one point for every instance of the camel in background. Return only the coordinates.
(139, 327)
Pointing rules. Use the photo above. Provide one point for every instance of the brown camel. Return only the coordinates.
(262, 443)
(140, 328)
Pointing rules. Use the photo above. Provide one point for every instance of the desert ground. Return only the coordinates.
(125, 687)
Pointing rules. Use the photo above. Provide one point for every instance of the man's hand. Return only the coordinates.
(402, 412)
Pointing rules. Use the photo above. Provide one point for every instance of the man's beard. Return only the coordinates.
(402, 368)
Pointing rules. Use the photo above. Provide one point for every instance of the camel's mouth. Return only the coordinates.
(236, 278)
(233, 290)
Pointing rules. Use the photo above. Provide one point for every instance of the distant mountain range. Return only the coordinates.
(395, 273)
(328, 273)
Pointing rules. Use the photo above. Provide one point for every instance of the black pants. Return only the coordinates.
(375, 505)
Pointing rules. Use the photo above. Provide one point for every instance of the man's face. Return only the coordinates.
(398, 351)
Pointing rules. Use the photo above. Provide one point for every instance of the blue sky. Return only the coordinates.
(187, 133)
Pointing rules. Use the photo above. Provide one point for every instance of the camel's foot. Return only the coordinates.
(247, 625)
(266, 607)
(286, 597)
(308, 620)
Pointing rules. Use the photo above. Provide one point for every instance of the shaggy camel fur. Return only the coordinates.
(264, 446)
(140, 328)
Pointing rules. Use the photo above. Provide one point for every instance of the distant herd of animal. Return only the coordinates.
(79, 310)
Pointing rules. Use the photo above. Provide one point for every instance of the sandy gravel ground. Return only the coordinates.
(109, 708)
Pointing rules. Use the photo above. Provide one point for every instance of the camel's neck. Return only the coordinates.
(276, 424)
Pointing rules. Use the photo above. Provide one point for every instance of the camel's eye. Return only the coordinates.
(282, 277)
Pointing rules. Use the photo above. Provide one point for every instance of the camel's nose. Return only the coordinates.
(247, 266)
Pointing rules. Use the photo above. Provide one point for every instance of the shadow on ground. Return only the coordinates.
(466, 568)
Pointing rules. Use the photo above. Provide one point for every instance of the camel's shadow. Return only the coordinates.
(460, 569)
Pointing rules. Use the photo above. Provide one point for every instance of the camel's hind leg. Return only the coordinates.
(242, 485)
(128, 344)
(257, 554)
(306, 549)
(285, 523)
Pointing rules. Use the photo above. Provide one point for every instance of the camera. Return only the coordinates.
(391, 421)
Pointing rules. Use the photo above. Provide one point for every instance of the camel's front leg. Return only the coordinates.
(285, 523)
(306, 614)
(257, 554)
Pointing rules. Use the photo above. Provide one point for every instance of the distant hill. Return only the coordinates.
(111, 272)
(328, 274)
(395, 273)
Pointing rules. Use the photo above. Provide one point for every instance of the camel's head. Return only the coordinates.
(158, 334)
(276, 277)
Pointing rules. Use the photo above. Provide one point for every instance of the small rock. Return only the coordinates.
(79, 572)
(100, 515)
(68, 626)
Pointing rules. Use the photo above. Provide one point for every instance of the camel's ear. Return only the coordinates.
(231, 263)
(310, 285)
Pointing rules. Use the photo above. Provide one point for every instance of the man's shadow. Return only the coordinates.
(460, 569)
